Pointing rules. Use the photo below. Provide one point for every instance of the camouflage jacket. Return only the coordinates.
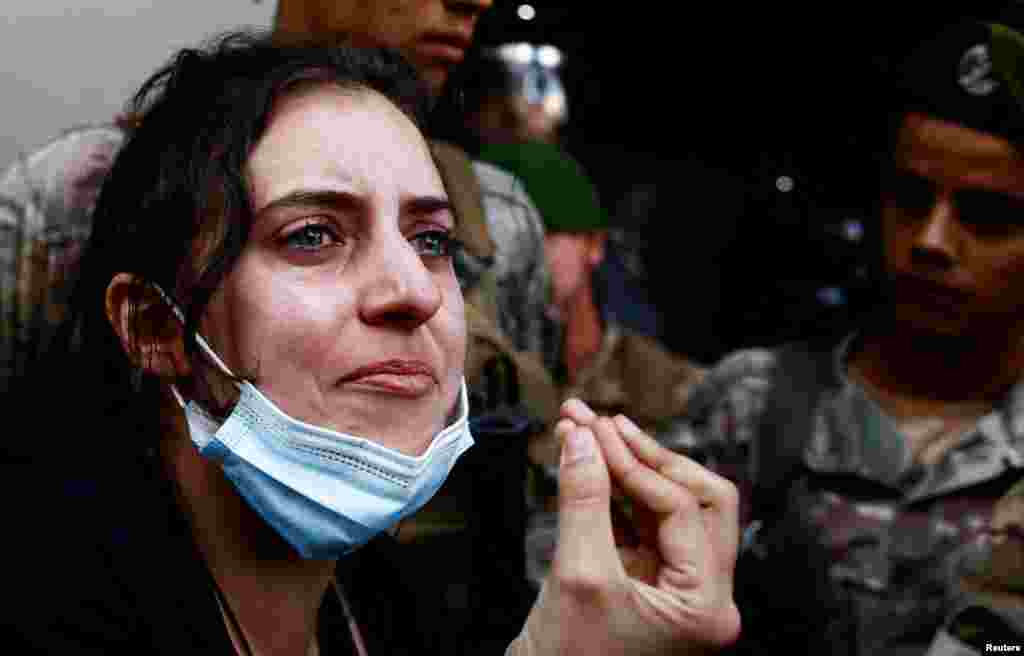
(46, 202)
(848, 546)
(519, 266)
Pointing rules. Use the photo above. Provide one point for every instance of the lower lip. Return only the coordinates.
(435, 51)
(934, 299)
(403, 385)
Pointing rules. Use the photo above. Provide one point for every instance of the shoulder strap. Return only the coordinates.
(464, 192)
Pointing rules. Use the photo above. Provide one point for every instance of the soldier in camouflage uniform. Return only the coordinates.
(881, 471)
(613, 369)
(46, 200)
(599, 360)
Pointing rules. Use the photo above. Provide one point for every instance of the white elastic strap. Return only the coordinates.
(199, 338)
(177, 396)
(170, 303)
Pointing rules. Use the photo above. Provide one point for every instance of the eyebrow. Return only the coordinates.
(898, 171)
(346, 201)
(330, 198)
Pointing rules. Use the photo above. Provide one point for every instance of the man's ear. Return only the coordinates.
(151, 336)
(595, 247)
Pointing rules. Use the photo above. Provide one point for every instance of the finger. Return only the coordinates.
(710, 488)
(716, 494)
(578, 411)
(647, 486)
(562, 429)
(586, 551)
(688, 551)
(678, 525)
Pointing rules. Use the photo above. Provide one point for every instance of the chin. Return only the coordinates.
(414, 446)
(435, 77)
(931, 324)
(415, 438)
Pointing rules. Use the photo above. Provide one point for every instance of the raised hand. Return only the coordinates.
(668, 589)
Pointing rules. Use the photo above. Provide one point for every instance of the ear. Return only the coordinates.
(150, 334)
(595, 247)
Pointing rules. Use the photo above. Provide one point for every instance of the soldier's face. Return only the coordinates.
(433, 34)
(571, 259)
(953, 229)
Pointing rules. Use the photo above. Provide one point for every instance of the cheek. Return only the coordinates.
(399, 22)
(299, 328)
(561, 256)
(285, 325)
(565, 262)
(999, 273)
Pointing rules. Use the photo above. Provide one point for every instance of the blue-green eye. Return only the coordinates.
(436, 243)
(311, 237)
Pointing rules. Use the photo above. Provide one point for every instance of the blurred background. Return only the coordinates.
(733, 144)
(72, 62)
(728, 141)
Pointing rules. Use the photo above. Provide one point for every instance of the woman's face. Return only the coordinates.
(344, 305)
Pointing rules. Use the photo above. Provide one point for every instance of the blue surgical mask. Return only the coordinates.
(325, 492)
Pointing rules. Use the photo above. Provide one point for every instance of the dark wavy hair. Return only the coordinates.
(175, 210)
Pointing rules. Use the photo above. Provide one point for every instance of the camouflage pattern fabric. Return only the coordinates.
(631, 374)
(519, 265)
(502, 267)
(46, 200)
(902, 548)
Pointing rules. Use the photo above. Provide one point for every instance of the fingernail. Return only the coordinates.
(579, 447)
(626, 424)
(581, 410)
(564, 427)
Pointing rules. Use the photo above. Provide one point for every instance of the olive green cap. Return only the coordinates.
(555, 182)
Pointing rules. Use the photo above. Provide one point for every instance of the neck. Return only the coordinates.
(939, 368)
(584, 331)
(274, 593)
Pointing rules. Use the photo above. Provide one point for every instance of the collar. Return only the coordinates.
(852, 435)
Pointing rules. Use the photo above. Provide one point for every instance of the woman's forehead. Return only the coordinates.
(355, 139)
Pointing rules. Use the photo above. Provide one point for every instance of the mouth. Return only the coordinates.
(930, 294)
(447, 47)
(404, 378)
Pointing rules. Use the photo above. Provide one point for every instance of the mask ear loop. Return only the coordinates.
(177, 396)
(209, 352)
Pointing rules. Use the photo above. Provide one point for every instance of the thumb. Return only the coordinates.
(586, 550)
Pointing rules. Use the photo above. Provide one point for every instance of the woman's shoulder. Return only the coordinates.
(97, 559)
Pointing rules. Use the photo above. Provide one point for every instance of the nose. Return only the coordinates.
(472, 9)
(937, 242)
(402, 291)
